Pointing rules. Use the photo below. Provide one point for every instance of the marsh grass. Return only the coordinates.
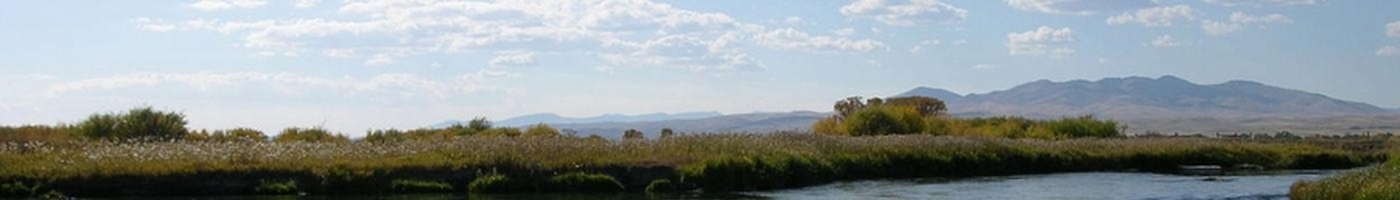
(718, 162)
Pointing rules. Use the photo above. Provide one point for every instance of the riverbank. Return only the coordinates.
(1376, 182)
(700, 163)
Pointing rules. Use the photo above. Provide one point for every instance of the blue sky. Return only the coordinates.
(355, 65)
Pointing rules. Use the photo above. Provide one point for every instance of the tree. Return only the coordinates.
(632, 134)
(926, 106)
(847, 107)
(666, 133)
(308, 135)
(479, 124)
(142, 124)
(883, 120)
(541, 130)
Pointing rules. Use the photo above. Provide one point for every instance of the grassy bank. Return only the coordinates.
(484, 164)
(1376, 182)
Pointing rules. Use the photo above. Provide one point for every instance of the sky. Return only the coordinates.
(356, 65)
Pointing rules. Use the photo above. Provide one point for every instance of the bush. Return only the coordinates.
(309, 135)
(276, 187)
(492, 183)
(408, 185)
(541, 130)
(583, 182)
(142, 124)
(883, 120)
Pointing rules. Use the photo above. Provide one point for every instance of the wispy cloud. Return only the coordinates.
(905, 13)
(1042, 41)
(393, 83)
(1156, 16)
(212, 5)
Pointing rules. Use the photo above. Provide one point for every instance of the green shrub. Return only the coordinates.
(276, 187)
(141, 124)
(584, 182)
(420, 186)
(492, 183)
(308, 135)
(883, 120)
(661, 185)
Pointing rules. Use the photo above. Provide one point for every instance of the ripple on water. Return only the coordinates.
(1094, 185)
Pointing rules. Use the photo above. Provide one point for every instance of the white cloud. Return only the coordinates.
(1042, 41)
(211, 5)
(1393, 29)
(1388, 51)
(984, 66)
(389, 30)
(844, 32)
(379, 59)
(792, 39)
(1156, 16)
(1219, 28)
(1241, 18)
(687, 52)
(905, 13)
(793, 20)
(305, 3)
(1167, 41)
(1238, 22)
(1264, 2)
(513, 58)
(289, 83)
(923, 44)
(338, 53)
(1078, 7)
(149, 24)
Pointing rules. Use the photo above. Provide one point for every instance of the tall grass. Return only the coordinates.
(710, 162)
(1376, 182)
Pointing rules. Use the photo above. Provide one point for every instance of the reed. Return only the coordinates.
(715, 162)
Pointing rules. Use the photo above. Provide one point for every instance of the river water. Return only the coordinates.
(1076, 186)
(1092, 185)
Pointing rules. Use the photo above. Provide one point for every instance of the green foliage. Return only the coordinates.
(502, 132)
(37, 133)
(492, 183)
(632, 134)
(584, 182)
(541, 130)
(140, 124)
(420, 186)
(308, 135)
(276, 187)
(908, 115)
(883, 120)
(661, 185)
(666, 133)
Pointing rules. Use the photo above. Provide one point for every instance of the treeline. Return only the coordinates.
(925, 115)
(144, 124)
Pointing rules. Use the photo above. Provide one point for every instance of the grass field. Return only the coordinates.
(725, 162)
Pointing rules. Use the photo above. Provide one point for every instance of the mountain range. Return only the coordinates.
(1165, 104)
(1148, 98)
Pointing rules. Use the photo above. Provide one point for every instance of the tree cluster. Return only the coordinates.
(925, 115)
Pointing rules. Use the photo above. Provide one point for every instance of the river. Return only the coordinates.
(1077, 186)
(1091, 185)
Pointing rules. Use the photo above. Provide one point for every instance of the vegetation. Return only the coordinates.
(479, 158)
(144, 124)
(1376, 182)
(925, 115)
(584, 182)
(309, 135)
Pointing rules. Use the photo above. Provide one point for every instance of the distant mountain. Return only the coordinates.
(1144, 98)
(555, 119)
(736, 123)
(941, 94)
(1166, 104)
